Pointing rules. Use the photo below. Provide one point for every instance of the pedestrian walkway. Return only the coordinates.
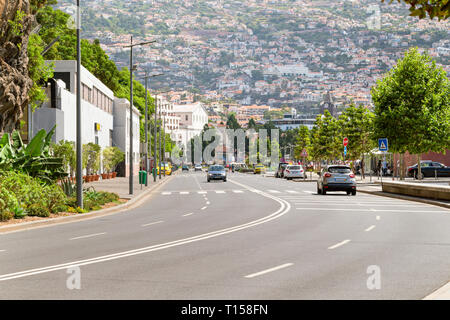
(121, 186)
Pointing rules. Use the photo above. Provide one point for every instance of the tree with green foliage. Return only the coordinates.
(430, 8)
(357, 125)
(412, 106)
(302, 142)
(66, 151)
(232, 122)
(326, 142)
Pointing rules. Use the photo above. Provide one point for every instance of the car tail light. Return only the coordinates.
(352, 175)
(327, 175)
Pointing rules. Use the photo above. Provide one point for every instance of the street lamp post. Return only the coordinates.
(79, 143)
(155, 136)
(146, 121)
(160, 132)
(164, 140)
(131, 46)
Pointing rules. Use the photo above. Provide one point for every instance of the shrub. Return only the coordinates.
(36, 210)
(5, 215)
(55, 197)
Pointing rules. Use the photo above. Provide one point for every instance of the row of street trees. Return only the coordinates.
(412, 110)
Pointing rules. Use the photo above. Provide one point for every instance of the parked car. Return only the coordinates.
(216, 172)
(281, 167)
(259, 168)
(293, 172)
(198, 167)
(185, 168)
(336, 178)
(429, 169)
(165, 167)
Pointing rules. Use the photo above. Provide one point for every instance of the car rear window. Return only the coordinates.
(217, 168)
(294, 167)
(339, 170)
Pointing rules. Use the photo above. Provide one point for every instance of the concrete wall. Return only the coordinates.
(422, 190)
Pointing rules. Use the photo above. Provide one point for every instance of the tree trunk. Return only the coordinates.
(363, 175)
(419, 167)
(15, 82)
(402, 166)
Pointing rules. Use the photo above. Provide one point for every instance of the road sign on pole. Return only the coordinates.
(345, 151)
(383, 144)
(345, 142)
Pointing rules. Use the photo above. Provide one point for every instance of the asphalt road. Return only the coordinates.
(252, 237)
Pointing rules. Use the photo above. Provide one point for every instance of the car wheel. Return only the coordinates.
(348, 193)
(354, 193)
(224, 180)
(208, 180)
(324, 192)
(318, 190)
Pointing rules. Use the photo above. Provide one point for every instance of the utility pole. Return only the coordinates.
(79, 146)
(132, 68)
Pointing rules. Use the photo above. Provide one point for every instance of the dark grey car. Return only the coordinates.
(217, 172)
(336, 178)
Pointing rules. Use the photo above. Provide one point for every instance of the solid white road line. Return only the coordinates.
(339, 244)
(202, 192)
(370, 228)
(238, 191)
(368, 210)
(188, 214)
(269, 270)
(220, 191)
(285, 207)
(184, 192)
(88, 236)
(152, 223)
(442, 293)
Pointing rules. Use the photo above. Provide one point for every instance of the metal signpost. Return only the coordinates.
(345, 142)
(383, 146)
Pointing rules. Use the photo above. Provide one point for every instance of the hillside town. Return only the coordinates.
(270, 54)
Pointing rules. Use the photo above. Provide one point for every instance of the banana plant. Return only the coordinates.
(35, 158)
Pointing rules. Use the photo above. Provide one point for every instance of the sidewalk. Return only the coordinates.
(376, 189)
(121, 186)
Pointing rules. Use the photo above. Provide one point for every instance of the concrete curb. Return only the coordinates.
(131, 204)
(408, 198)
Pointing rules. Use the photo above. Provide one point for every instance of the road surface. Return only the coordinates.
(252, 237)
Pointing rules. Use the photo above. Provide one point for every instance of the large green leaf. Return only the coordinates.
(4, 140)
(34, 148)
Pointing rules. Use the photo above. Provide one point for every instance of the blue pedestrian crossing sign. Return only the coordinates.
(383, 144)
(345, 151)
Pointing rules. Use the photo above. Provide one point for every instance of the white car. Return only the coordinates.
(198, 167)
(294, 171)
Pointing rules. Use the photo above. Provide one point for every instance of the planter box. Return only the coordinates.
(104, 176)
(114, 174)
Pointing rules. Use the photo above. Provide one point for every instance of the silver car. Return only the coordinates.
(293, 172)
(336, 178)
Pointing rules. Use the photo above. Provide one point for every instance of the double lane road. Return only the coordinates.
(252, 237)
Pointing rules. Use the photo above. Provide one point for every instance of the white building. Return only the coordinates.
(193, 118)
(102, 119)
(121, 133)
(170, 120)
